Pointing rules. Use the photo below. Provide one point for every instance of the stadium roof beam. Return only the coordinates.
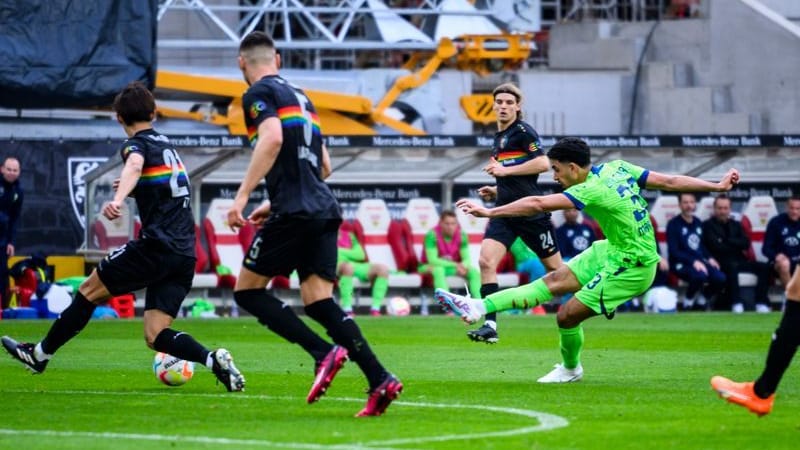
(336, 25)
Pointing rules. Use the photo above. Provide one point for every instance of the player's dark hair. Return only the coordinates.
(447, 213)
(682, 194)
(256, 39)
(721, 197)
(571, 150)
(135, 103)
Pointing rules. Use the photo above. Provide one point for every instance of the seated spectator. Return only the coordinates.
(352, 263)
(782, 241)
(573, 237)
(726, 241)
(689, 259)
(446, 253)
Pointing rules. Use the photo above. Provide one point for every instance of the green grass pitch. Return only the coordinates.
(645, 387)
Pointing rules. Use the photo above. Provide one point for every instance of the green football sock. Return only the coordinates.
(523, 297)
(346, 292)
(571, 346)
(379, 289)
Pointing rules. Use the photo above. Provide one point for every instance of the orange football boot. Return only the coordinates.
(742, 394)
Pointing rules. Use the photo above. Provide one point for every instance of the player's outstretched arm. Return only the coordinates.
(685, 183)
(527, 206)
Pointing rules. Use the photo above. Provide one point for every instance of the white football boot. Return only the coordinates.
(562, 375)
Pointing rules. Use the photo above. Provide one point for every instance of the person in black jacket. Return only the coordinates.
(10, 206)
(727, 242)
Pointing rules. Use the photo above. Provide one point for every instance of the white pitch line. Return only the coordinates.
(546, 421)
(190, 439)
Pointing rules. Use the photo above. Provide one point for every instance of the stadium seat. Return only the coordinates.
(664, 208)
(756, 214)
(373, 217)
(204, 277)
(401, 240)
(224, 247)
(557, 218)
(475, 228)
(421, 216)
(705, 208)
(246, 235)
(109, 234)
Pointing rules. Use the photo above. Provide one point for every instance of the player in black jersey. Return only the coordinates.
(516, 162)
(300, 226)
(161, 259)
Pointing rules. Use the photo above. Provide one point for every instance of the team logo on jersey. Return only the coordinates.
(256, 108)
(77, 168)
(128, 150)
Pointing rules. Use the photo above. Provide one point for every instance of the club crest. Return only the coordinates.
(77, 168)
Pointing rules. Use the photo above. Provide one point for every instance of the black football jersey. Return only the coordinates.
(162, 193)
(294, 183)
(517, 144)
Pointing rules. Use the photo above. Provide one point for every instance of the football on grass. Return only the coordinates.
(398, 306)
(171, 370)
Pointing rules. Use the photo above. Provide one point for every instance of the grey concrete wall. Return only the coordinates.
(760, 59)
(561, 102)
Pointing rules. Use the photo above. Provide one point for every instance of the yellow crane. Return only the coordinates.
(347, 114)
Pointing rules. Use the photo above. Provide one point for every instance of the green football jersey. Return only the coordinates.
(610, 194)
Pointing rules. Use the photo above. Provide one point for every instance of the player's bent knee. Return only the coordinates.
(565, 320)
(248, 279)
(93, 288)
(346, 269)
(381, 270)
(488, 263)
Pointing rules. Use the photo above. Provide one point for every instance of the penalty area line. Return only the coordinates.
(546, 421)
(186, 439)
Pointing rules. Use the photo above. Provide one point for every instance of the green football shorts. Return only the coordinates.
(605, 284)
(361, 270)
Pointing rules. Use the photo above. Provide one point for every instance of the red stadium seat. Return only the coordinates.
(758, 211)
(374, 219)
(204, 277)
(110, 234)
(224, 247)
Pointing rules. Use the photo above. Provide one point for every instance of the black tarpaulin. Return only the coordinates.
(62, 53)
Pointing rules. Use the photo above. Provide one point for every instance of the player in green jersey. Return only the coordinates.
(605, 275)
